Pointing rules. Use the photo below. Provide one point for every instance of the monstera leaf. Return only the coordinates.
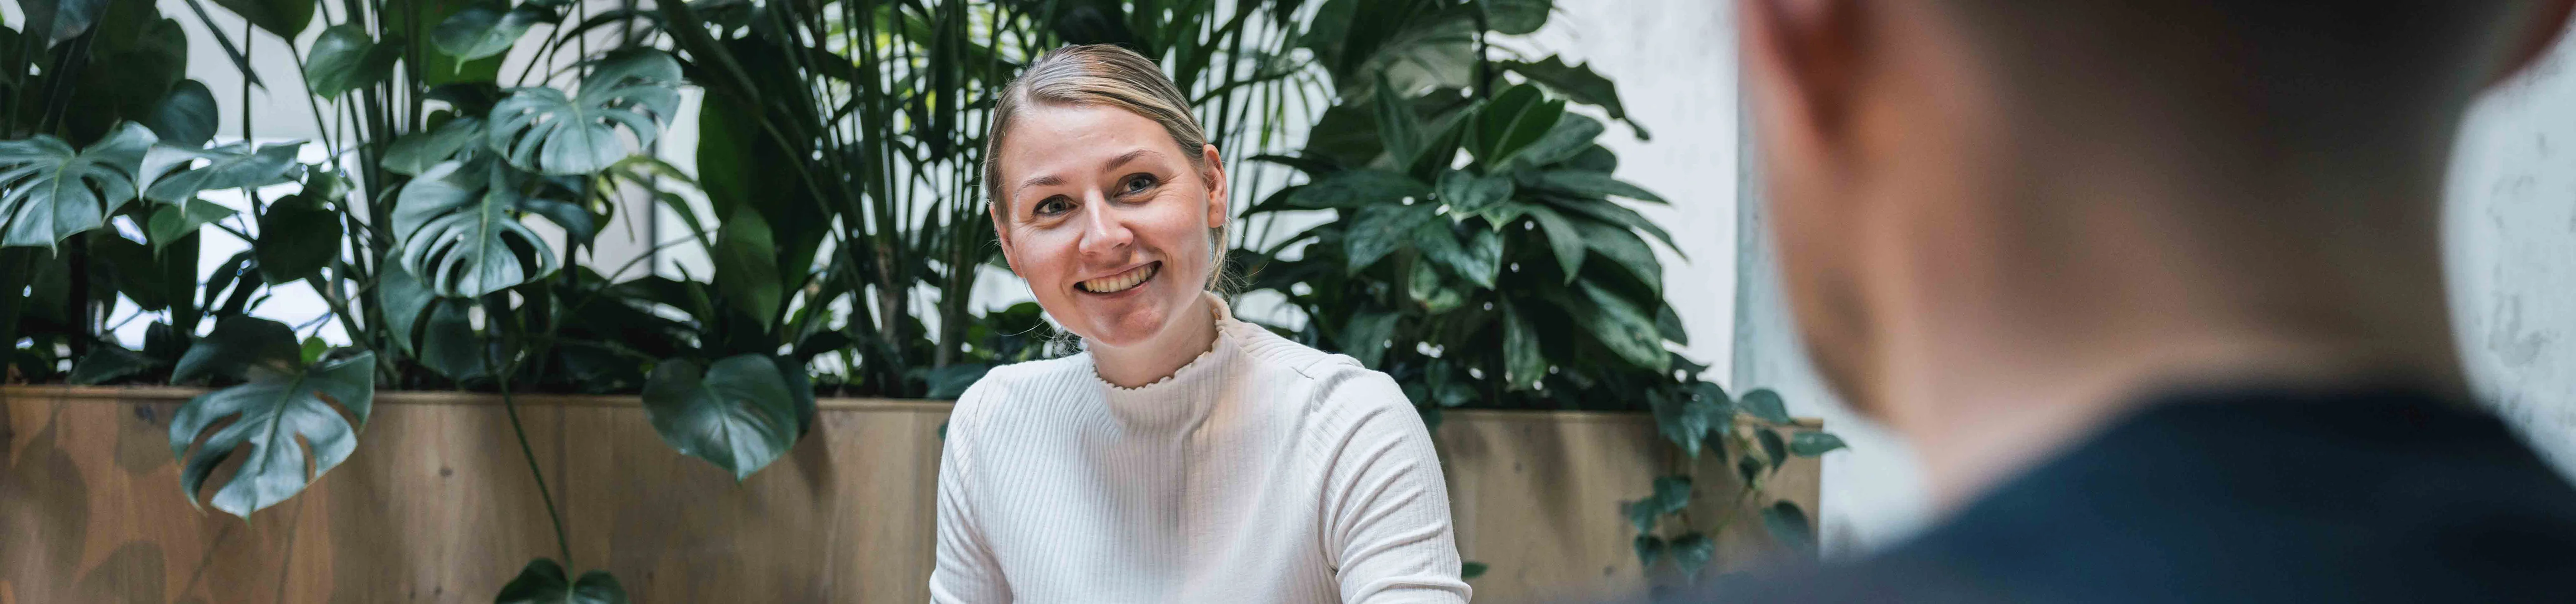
(459, 231)
(269, 415)
(488, 28)
(543, 582)
(543, 131)
(738, 414)
(346, 58)
(230, 166)
(53, 192)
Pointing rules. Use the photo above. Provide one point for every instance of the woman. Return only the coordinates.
(1184, 456)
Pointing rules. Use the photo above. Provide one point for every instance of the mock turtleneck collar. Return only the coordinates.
(1184, 396)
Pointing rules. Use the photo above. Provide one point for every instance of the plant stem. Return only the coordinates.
(562, 541)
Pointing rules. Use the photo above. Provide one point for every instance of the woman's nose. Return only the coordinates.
(1103, 232)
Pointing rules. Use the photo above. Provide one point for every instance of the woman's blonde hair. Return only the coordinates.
(1101, 75)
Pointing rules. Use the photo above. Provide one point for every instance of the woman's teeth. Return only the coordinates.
(1122, 281)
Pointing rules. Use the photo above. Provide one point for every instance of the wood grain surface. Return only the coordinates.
(436, 505)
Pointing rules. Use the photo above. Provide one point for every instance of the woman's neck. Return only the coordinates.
(1157, 358)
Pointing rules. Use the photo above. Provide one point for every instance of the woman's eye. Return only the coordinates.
(1138, 184)
(1051, 206)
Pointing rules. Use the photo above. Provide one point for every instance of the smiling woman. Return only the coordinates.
(1184, 455)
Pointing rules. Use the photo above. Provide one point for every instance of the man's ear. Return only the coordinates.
(1802, 58)
(1218, 205)
(2548, 22)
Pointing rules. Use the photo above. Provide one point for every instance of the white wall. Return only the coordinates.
(2511, 239)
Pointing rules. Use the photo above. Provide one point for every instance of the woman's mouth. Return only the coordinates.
(1122, 281)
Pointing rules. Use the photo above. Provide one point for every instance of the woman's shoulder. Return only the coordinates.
(1337, 383)
(1008, 392)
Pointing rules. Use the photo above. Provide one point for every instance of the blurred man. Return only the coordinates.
(2156, 288)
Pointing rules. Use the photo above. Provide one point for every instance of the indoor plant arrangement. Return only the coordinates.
(1474, 250)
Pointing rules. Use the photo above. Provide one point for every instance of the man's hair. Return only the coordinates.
(2310, 69)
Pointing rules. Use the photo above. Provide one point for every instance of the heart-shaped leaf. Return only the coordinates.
(231, 166)
(297, 237)
(1765, 404)
(738, 414)
(269, 415)
(1788, 527)
(543, 131)
(186, 117)
(52, 192)
(1811, 444)
(543, 582)
(458, 228)
(347, 58)
(487, 28)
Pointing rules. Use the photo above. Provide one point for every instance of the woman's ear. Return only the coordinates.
(1217, 205)
(1002, 235)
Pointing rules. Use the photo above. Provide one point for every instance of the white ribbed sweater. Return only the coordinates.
(1263, 471)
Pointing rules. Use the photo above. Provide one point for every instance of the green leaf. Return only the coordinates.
(737, 414)
(1685, 421)
(1365, 337)
(1357, 189)
(1570, 138)
(1523, 362)
(1788, 526)
(487, 28)
(238, 344)
(1649, 549)
(404, 299)
(1378, 230)
(746, 264)
(346, 58)
(1469, 194)
(419, 151)
(448, 344)
(1514, 17)
(1432, 291)
(1626, 330)
(231, 166)
(1477, 259)
(108, 362)
(48, 192)
(185, 118)
(69, 18)
(269, 415)
(543, 131)
(286, 18)
(1811, 444)
(1691, 552)
(1672, 494)
(1623, 248)
(1397, 126)
(542, 582)
(297, 237)
(1512, 121)
(1593, 184)
(1577, 83)
(456, 228)
(1772, 447)
(1471, 570)
(170, 222)
(1562, 238)
(1765, 404)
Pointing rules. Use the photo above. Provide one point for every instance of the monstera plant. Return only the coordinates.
(1481, 251)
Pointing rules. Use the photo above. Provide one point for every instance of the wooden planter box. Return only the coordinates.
(436, 505)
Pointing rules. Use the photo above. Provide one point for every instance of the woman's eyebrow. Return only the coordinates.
(1050, 180)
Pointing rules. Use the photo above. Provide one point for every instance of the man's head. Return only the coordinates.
(1937, 167)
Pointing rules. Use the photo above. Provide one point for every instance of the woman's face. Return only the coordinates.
(1107, 221)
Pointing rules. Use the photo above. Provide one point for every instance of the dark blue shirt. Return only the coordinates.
(2244, 496)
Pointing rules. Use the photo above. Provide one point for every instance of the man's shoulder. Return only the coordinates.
(2245, 496)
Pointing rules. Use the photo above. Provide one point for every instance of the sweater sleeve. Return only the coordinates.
(964, 571)
(1387, 508)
